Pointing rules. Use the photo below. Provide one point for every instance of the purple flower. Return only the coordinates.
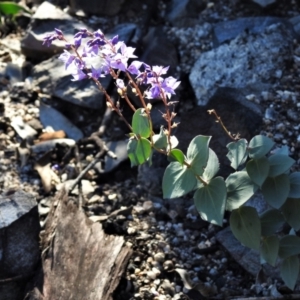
(78, 74)
(114, 40)
(89, 51)
(96, 73)
(127, 51)
(77, 42)
(159, 70)
(67, 58)
(96, 41)
(118, 62)
(68, 46)
(59, 32)
(153, 93)
(134, 67)
(99, 34)
(162, 87)
(83, 33)
(169, 85)
(49, 38)
(92, 47)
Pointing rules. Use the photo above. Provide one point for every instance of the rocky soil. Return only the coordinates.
(176, 255)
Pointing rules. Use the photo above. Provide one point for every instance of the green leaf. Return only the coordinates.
(11, 8)
(294, 185)
(283, 150)
(239, 189)
(269, 249)
(176, 155)
(237, 152)
(276, 190)
(212, 166)
(197, 153)
(178, 180)
(290, 210)
(279, 164)
(289, 271)
(245, 226)
(140, 123)
(160, 140)
(139, 151)
(258, 170)
(259, 146)
(289, 245)
(271, 221)
(210, 201)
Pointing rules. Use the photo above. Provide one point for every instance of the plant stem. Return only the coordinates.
(234, 137)
(113, 106)
(129, 103)
(143, 104)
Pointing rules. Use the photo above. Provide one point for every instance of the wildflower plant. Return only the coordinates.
(256, 167)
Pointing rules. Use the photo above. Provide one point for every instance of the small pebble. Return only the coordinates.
(151, 275)
(159, 257)
(131, 230)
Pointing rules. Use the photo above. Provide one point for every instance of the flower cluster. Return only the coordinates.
(112, 57)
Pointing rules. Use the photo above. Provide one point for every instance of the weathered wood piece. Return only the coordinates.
(79, 260)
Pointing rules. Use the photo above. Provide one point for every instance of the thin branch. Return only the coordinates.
(234, 137)
(16, 278)
(104, 151)
(129, 103)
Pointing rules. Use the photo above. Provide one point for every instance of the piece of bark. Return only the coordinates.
(79, 260)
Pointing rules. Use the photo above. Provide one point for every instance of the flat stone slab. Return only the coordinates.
(13, 206)
(248, 60)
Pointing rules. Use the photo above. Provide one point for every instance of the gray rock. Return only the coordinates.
(19, 242)
(24, 130)
(249, 259)
(228, 30)
(238, 114)
(14, 73)
(120, 149)
(53, 79)
(180, 11)
(295, 21)
(264, 3)
(292, 115)
(150, 177)
(49, 116)
(249, 60)
(46, 18)
(258, 202)
(271, 114)
(125, 31)
(95, 7)
(158, 50)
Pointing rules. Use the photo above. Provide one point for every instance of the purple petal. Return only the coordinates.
(115, 40)
(134, 67)
(99, 34)
(96, 73)
(78, 74)
(58, 32)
